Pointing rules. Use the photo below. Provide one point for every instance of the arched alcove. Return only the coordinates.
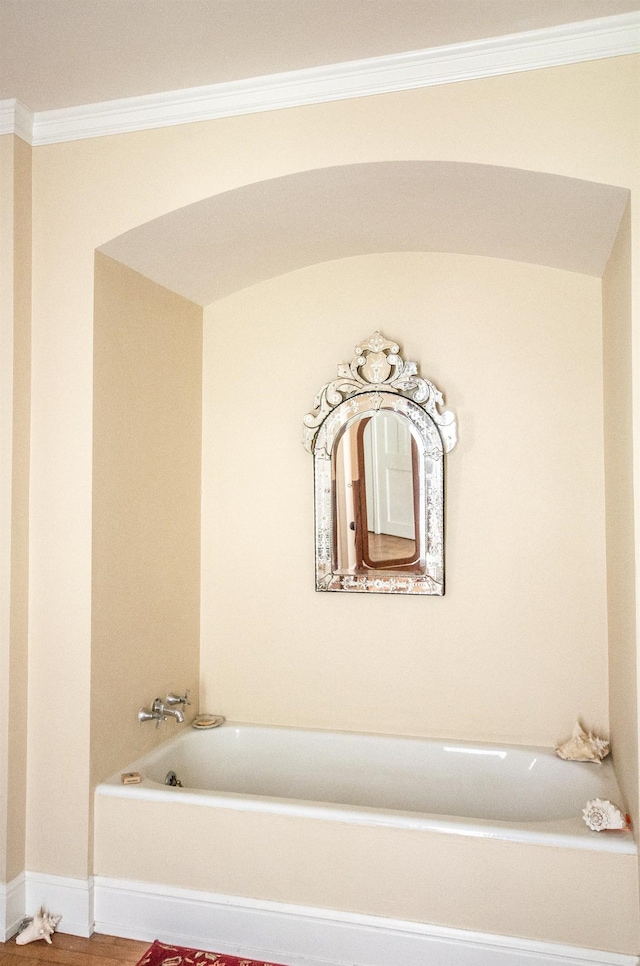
(230, 243)
(242, 237)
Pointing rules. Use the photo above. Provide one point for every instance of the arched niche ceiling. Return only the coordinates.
(232, 240)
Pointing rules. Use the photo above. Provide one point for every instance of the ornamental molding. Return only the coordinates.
(375, 368)
(529, 50)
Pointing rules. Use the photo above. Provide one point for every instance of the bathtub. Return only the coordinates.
(513, 793)
(327, 831)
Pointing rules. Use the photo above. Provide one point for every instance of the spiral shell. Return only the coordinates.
(600, 814)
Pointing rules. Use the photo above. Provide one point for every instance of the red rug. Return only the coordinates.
(160, 954)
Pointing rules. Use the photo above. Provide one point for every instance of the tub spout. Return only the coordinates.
(174, 712)
(158, 713)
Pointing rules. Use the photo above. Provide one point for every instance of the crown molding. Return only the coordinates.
(7, 117)
(530, 50)
(15, 118)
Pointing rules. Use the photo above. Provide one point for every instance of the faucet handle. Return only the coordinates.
(154, 715)
(178, 699)
(157, 709)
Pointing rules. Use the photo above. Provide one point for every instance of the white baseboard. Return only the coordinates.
(70, 898)
(12, 903)
(302, 936)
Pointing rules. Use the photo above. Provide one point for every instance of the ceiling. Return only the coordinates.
(65, 53)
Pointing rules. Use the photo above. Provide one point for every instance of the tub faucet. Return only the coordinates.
(158, 713)
(182, 699)
(174, 712)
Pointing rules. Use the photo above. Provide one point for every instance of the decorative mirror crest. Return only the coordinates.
(381, 367)
(378, 439)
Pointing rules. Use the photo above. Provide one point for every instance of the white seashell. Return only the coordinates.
(583, 746)
(601, 814)
(42, 926)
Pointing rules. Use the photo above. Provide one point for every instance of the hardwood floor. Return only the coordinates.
(382, 546)
(74, 951)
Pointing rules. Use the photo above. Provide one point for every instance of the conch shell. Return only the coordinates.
(601, 814)
(583, 746)
(42, 926)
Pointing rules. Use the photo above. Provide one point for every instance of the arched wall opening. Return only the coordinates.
(212, 248)
(491, 279)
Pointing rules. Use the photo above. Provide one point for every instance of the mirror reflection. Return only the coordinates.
(377, 490)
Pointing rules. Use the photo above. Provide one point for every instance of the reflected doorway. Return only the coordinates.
(377, 495)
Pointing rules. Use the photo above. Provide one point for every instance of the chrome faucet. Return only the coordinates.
(158, 713)
(182, 699)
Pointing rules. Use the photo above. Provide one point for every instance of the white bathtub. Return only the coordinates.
(512, 793)
(303, 825)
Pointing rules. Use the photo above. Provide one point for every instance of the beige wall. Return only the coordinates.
(17, 702)
(517, 351)
(559, 120)
(6, 435)
(147, 431)
(15, 338)
(621, 571)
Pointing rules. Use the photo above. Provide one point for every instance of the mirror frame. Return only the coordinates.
(377, 379)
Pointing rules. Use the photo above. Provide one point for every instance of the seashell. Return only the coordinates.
(42, 926)
(583, 746)
(600, 814)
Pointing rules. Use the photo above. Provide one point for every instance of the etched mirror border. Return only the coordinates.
(378, 379)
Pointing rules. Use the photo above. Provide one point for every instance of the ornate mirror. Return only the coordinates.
(378, 442)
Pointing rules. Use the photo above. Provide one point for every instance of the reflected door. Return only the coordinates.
(389, 476)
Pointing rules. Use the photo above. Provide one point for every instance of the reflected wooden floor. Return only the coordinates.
(382, 546)
(74, 951)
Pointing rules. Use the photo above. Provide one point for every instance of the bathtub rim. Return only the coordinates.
(558, 833)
